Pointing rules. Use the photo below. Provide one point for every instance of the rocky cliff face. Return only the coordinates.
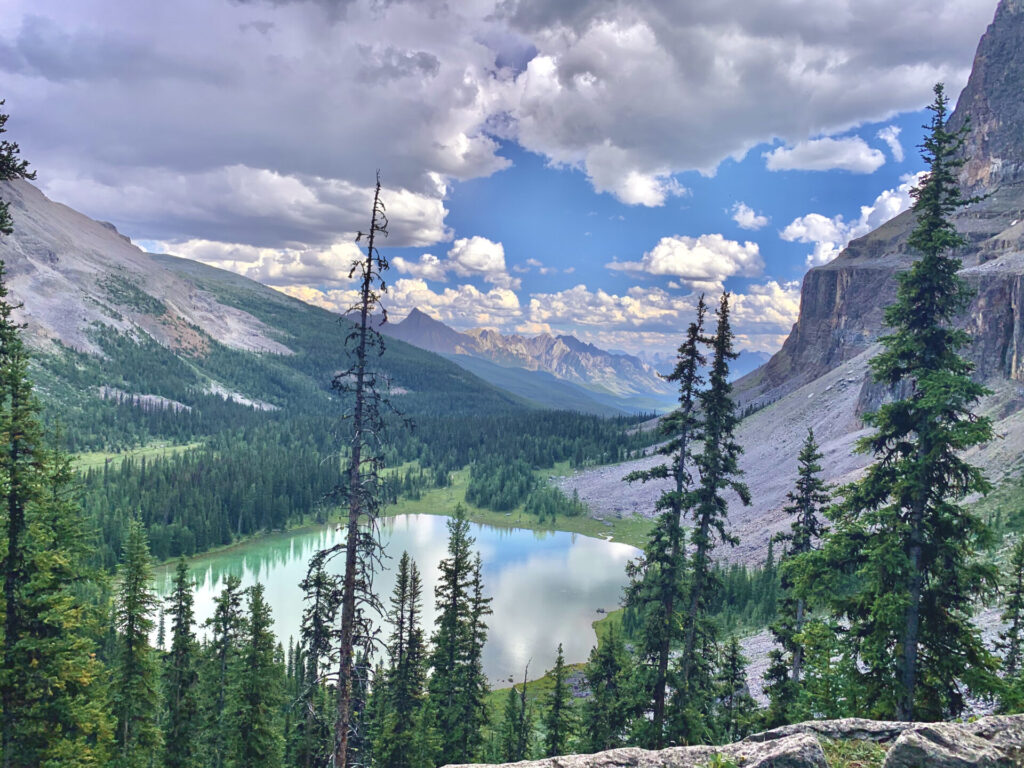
(842, 302)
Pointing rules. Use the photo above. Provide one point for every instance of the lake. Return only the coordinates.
(546, 587)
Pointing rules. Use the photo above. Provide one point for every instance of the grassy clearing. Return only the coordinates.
(156, 450)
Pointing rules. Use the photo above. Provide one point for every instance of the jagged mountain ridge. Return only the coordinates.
(619, 379)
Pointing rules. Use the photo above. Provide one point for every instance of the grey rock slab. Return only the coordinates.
(797, 751)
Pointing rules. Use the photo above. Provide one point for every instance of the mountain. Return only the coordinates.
(820, 378)
(619, 381)
(111, 324)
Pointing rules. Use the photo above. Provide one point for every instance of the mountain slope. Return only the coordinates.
(622, 381)
(112, 324)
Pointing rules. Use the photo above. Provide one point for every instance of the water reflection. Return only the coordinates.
(546, 586)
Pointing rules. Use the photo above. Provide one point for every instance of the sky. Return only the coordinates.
(581, 166)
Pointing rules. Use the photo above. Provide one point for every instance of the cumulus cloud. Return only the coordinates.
(631, 93)
(830, 234)
(847, 154)
(328, 266)
(700, 262)
(653, 318)
(479, 257)
(746, 218)
(890, 134)
(428, 266)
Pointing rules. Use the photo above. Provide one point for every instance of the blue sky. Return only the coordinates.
(572, 167)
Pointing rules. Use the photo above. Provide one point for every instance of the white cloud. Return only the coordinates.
(701, 262)
(479, 257)
(890, 134)
(827, 154)
(428, 266)
(831, 234)
(653, 318)
(328, 266)
(746, 218)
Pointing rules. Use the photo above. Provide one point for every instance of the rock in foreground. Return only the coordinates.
(990, 742)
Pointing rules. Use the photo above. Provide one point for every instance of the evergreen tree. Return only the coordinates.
(255, 702)
(181, 676)
(403, 683)
(12, 167)
(606, 711)
(516, 726)
(219, 670)
(656, 590)
(806, 503)
(718, 468)
(136, 695)
(1011, 640)
(903, 527)
(323, 598)
(457, 684)
(735, 705)
(559, 720)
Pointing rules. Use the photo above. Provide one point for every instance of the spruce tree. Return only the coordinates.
(559, 719)
(322, 595)
(904, 527)
(457, 685)
(656, 590)
(606, 712)
(12, 167)
(1011, 640)
(806, 502)
(255, 702)
(402, 685)
(220, 670)
(181, 676)
(735, 705)
(516, 726)
(718, 468)
(136, 693)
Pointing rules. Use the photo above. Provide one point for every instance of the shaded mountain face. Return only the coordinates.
(628, 381)
(842, 302)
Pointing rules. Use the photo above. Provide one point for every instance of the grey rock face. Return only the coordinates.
(796, 751)
(990, 742)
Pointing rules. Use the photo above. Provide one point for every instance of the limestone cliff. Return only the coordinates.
(842, 302)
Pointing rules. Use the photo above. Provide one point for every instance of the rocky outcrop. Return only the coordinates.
(842, 302)
(989, 742)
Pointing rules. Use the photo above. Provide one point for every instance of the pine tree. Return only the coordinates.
(181, 676)
(735, 705)
(806, 502)
(656, 590)
(322, 592)
(403, 683)
(559, 720)
(136, 694)
(516, 726)
(255, 702)
(903, 527)
(1011, 640)
(12, 167)
(606, 711)
(362, 491)
(220, 670)
(457, 685)
(718, 468)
